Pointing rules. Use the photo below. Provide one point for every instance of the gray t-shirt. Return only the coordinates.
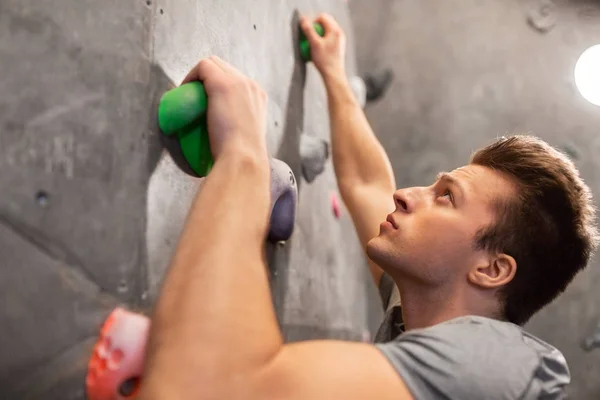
(472, 357)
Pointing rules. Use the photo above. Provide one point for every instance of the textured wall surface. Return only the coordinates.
(323, 256)
(90, 210)
(469, 71)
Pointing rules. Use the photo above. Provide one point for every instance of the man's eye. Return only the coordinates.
(448, 194)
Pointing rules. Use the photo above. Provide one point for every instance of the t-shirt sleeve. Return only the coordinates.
(469, 360)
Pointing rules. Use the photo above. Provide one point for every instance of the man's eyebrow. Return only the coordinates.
(449, 179)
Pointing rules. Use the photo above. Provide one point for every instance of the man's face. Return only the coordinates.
(430, 235)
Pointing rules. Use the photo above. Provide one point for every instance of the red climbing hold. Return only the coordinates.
(118, 357)
(335, 205)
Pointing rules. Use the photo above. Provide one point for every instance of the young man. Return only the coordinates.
(474, 255)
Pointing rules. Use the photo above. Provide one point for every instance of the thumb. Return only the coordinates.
(309, 31)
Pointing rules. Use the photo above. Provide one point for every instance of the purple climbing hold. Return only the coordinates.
(284, 198)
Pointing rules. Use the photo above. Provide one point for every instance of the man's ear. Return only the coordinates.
(499, 270)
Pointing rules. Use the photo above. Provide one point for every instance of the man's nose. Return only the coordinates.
(407, 200)
(402, 201)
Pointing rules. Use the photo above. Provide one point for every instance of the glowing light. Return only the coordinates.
(587, 74)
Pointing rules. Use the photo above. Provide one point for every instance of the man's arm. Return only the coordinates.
(362, 167)
(325, 370)
(214, 318)
(214, 334)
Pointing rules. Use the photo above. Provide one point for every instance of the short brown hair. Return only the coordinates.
(548, 228)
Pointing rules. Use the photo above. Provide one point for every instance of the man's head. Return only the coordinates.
(517, 223)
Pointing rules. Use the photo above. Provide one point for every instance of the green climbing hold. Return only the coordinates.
(305, 45)
(181, 106)
(182, 111)
(196, 148)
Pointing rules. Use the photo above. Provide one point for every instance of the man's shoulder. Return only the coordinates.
(478, 327)
(474, 354)
(494, 337)
(488, 329)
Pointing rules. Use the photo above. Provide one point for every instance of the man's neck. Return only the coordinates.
(425, 306)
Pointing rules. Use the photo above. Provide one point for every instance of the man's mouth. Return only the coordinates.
(390, 219)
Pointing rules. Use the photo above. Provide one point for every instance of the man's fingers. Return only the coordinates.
(225, 66)
(202, 71)
(309, 31)
(330, 25)
(209, 67)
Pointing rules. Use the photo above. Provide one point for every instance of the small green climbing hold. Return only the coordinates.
(181, 106)
(305, 45)
(182, 112)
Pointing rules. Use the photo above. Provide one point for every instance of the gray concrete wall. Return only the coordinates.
(90, 210)
(468, 71)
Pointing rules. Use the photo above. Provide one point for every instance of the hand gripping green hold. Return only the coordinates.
(182, 120)
(305, 45)
(182, 115)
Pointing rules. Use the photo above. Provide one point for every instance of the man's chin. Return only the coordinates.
(378, 251)
(372, 249)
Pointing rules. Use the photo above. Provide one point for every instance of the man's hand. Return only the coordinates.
(236, 114)
(328, 53)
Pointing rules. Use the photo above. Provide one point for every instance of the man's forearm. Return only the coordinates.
(215, 314)
(358, 157)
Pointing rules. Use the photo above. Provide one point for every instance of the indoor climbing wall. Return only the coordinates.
(319, 276)
(90, 206)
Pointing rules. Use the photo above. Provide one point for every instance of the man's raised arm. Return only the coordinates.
(363, 170)
(217, 279)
